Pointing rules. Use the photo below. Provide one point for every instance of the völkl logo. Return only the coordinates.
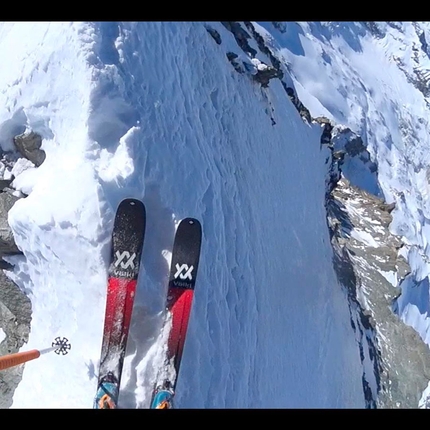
(181, 268)
(125, 255)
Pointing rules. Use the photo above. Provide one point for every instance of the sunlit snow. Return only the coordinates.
(156, 111)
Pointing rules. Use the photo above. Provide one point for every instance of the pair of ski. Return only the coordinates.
(126, 250)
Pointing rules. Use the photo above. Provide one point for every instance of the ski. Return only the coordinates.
(126, 250)
(182, 278)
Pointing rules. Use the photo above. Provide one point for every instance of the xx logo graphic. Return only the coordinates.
(129, 262)
(181, 268)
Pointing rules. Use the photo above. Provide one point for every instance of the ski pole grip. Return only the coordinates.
(18, 358)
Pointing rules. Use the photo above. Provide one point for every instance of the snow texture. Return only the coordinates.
(155, 111)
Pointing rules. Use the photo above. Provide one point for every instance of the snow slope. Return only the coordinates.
(367, 82)
(375, 81)
(156, 111)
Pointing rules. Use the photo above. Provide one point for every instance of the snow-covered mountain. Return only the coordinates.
(301, 148)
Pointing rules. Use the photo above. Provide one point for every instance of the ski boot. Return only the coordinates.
(163, 397)
(107, 394)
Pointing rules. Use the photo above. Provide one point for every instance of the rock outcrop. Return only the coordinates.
(15, 318)
(29, 144)
(7, 241)
(365, 249)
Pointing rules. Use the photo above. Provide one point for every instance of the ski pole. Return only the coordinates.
(60, 346)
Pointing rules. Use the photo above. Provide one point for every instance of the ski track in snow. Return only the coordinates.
(155, 111)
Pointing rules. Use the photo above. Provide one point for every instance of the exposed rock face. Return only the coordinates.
(28, 144)
(326, 135)
(281, 26)
(15, 306)
(4, 183)
(15, 318)
(241, 36)
(248, 62)
(364, 247)
(263, 76)
(354, 159)
(301, 108)
(216, 36)
(7, 241)
(232, 57)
